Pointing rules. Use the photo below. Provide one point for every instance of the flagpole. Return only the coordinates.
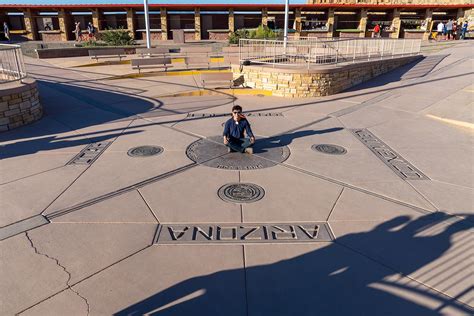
(147, 24)
(285, 32)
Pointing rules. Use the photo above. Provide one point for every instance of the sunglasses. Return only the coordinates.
(237, 112)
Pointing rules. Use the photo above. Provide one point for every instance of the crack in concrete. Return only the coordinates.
(62, 267)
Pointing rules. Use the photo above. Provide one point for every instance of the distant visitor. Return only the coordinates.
(234, 132)
(6, 31)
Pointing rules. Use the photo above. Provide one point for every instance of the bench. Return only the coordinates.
(107, 53)
(220, 77)
(197, 61)
(161, 51)
(152, 62)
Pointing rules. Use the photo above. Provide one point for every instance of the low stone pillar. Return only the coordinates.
(65, 25)
(363, 22)
(197, 24)
(330, 23)
(265, 16)
(30, 25)
(231, 21)
(396, 23)
(164, 24)
(131, 22)
(19, 104)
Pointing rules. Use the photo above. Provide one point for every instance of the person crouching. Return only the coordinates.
(234, 131)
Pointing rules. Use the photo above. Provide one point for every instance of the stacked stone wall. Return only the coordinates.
(298, 83)
(19, 104)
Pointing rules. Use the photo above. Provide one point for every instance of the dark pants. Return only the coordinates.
(239, 145)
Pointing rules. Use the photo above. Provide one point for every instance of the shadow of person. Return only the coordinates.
(332, 279)
(264, 144)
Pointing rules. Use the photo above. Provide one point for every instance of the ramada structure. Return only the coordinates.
(317, 18)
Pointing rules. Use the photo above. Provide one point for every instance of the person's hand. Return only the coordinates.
(252, 140)
(226, 141)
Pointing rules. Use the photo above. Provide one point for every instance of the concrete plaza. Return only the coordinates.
(354, 233)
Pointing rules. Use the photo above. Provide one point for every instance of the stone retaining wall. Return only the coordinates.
(154, 36)
(320, 81)
(19, 104)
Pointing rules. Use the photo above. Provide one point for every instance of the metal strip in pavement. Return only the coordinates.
(129, 188)
(390, 157)
(89, 154)
(22, 226)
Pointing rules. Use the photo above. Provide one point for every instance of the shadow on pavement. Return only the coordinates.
(416, 69)
(263, 144)
(333, 280)
(69, 108)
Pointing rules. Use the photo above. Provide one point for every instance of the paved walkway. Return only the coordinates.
(383, 228)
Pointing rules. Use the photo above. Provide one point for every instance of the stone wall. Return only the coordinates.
(218, 36)
(154, 36)
(320, 81)
(19, 104)
(53, 36)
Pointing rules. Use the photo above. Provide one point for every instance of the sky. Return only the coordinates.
(58, 2)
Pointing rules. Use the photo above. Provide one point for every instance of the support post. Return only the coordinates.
(231, 20)
(428, 23)
(197, 24)
(164, 24)
(30, 25)
(297, 23)
(396, 23)
(96, 19)
(64, 25)
(363, 22)
(330, 23)
(131, 22)
(460, 15)
(265, 17)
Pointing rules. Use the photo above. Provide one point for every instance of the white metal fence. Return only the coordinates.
(310, 51)
(12, 67)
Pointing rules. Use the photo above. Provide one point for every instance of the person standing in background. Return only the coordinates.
(449, 29)
(77, 31)
(91, 30)
(440, 30)
(464, 30)
(6, 31)
(377, 30)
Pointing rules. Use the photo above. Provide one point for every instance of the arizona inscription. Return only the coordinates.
(242, 233)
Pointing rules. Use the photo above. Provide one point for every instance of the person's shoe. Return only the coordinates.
(249, 150)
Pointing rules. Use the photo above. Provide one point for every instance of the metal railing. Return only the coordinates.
(317, 51)
(12, 66)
